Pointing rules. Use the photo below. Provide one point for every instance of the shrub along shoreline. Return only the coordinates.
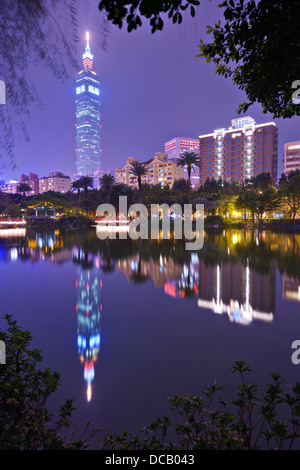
(268, 418)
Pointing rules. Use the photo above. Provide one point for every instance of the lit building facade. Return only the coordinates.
(240, 152)
(55, 182)
(291, 161)
(87, 117)
(174, 149)
(11, 187)
(160, 170)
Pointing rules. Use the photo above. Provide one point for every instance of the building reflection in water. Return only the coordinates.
(222, 281)
(290, 288)
(88, 310)
(238, 291)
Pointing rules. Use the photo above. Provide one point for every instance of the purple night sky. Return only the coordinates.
(152, 89)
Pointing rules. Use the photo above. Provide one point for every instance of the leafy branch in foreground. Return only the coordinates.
(256, 419)
(269, 419)
(131, 11)
(257, 46)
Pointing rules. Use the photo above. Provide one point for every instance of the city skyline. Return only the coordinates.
(153, 89)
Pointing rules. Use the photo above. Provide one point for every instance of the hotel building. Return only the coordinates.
(174, 149)
(240, 152)
(291, 161)
(160, 170)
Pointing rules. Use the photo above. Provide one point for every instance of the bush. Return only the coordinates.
(267, 419)
(25, 421)
(214, 220)
(256, 419)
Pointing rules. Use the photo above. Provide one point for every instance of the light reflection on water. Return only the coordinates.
(247, 278)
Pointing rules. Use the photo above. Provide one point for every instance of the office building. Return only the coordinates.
(240, 152)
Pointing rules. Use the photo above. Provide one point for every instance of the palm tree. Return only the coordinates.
(76, 186)
(106, 181)
(86, 182)
(23, 188)
(139, 170)
(189, 160)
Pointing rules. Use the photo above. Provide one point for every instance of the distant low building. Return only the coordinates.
(10, 187)
(55, 182)
(160, 170)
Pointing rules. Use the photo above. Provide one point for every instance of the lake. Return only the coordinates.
(129, 323)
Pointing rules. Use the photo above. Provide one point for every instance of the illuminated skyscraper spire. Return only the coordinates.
(87, 56)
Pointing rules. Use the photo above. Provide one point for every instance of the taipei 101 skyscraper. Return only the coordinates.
(87, 117)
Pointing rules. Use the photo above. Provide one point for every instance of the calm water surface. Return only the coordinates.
(130, 323)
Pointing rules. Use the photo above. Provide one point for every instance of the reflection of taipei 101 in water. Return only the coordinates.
(88, 310)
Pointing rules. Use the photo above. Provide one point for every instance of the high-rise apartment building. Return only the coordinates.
(291, 161)
(160, 170)
(87, 117)
(240, 152)
(174, 149)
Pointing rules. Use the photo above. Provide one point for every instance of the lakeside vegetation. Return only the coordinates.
(257, 200)
(255, 419)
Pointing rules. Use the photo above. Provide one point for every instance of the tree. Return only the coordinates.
(181, 185)
(85, 183)
(30, 34)
(289, 189)
(121, 10)
(107, 181)
(212, 185)
(139, 170)
(256, 47)
(188, 160)
(262, 181)
(268, 201)
(25, 421)
(247, 201)
(23, 188)
(76, 186)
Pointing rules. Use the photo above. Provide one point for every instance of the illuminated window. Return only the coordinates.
(80, 89)
(94, 90)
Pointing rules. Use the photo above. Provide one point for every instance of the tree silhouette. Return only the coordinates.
(189, 160)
